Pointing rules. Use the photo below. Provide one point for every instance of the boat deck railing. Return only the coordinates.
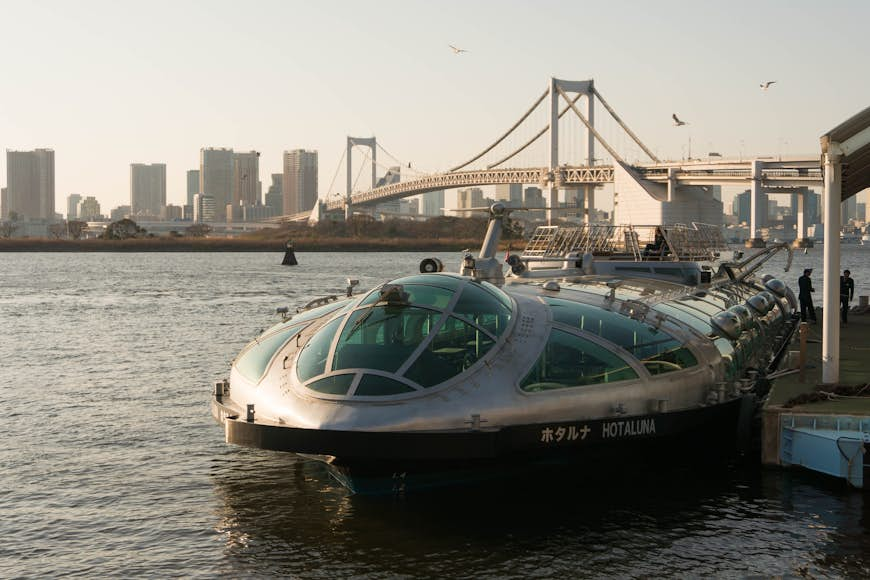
(677, 242)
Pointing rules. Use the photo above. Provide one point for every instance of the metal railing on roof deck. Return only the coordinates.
(675, 242)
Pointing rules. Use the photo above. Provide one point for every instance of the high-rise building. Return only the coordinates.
(275, 194)
(147, 189)
(300, 180)
(119, 213)
(510, 192)
(741, 206)
(811, 207)
(89, 209)
(216, 175)
(4, 212)
(246, 178)
(30, 184)
(72, 206)
(192, 185)
(469, 198)
(433, 203)
(203, 208)
(849, 210)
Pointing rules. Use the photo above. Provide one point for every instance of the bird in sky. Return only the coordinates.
(456, 50)
(766, 85)
(677, 121)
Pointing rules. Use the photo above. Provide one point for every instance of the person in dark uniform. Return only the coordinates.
(847, 292)
(805, 288)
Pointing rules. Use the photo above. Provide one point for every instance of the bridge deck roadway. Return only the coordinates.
(790, 173)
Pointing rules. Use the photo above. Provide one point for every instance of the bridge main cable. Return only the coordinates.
(533, 139)
(503, 137)
(589, 126)
(624, 126)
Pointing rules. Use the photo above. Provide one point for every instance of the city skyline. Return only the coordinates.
(434, 108)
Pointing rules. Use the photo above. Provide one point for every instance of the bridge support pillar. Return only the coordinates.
(801, 240)
(552, 204)
(589, 204)
(757, 209)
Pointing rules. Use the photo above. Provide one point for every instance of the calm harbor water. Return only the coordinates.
(113, 467)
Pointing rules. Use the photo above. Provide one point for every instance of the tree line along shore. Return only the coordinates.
(361, 234)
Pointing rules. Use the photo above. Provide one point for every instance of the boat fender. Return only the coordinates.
(431, 265)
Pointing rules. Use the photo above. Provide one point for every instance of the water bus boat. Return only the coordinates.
(593, 347)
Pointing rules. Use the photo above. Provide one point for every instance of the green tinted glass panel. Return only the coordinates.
(671, 360)
(255, 358)
(456, 347)
(445, 281)
(482, 308)
(571, 361)
(334, 385)
(499, 294)
(690, 317)
(698, 304)
(638, 338)
(382, 337)
(320, 311)
(312, 359)
(374, 385)
(418, 295)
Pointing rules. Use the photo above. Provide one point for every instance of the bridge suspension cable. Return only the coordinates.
(533, 139)
(337, 169)
(589, 126)
(503, 137)
(624, 126)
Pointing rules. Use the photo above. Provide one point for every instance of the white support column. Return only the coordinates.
(831, 276)
(757, 210)
(553, 197)
(589, 189)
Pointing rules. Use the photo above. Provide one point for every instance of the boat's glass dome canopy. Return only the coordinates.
(409, 335)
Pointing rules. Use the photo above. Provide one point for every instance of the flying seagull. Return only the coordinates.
(457, 50)
(766, 85)
(677, 122)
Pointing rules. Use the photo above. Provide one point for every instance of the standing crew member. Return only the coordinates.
(805, 286)
(847, 292)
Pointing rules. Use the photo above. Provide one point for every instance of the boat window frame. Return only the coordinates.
(641, 378)
(498, 341)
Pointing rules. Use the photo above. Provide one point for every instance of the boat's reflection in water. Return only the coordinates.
(281, 514)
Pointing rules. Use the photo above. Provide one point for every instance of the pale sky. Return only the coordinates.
(109, 83)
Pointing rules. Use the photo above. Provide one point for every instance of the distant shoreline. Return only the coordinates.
(234, 245)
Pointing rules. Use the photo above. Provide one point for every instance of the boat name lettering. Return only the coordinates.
(630, 428)
(562, 433)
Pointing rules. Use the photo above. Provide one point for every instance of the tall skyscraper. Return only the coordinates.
(216, 176)
(147, 189)
(30, 184)
(510, 192)
(300, 180)
(849, 210)
(192, 185)
(246, 178)
(72, 206)
(433, 203)
(469, 198)
(275, 194)
(4, 203)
